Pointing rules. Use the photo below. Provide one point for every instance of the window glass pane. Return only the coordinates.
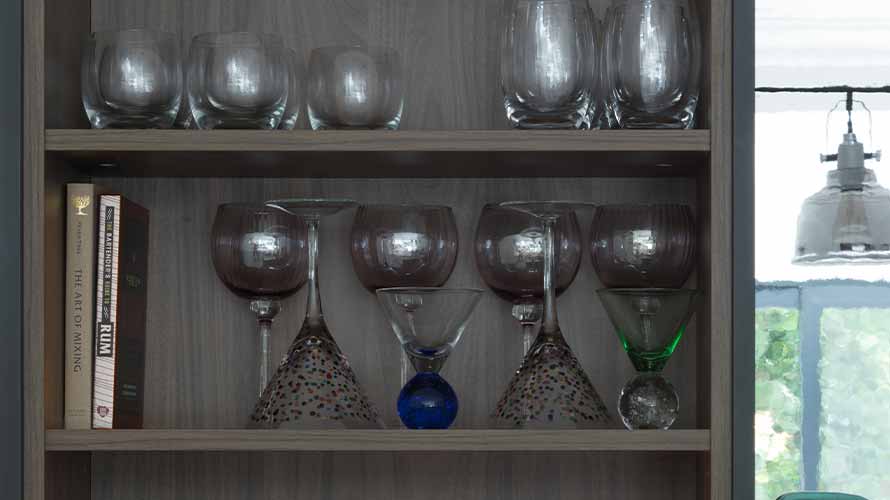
(854, 373)
(777, 402)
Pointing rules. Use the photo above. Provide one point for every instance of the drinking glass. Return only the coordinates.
(314, 387)
(649, 322)
(510, 258)
(295, 91)
(131, 79)
(404, 246)
(237, 80)
(550, 389)
(653, 60)
(548, 63)
(643, 246)
(429, 323)
(260, 253)
(352, 87)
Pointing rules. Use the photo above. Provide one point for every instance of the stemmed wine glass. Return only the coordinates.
(403, 246)
(550, 389)
(314, 386)
(259, 252)
(510, 259)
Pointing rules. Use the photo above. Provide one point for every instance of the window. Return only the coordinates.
(822, 374)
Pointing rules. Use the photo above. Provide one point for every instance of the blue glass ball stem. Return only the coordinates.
(427, 402)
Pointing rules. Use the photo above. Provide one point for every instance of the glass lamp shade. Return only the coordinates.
(845, 223)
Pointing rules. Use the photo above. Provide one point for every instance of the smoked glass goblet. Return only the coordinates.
(429, 323)
(314, 387)
(510, 257)
(355, 87)
(643, 246)
(547, 64)
(550, 389)
(131, 79)
(237, 80)
(404, 246)
(649, 322)
(260, 253)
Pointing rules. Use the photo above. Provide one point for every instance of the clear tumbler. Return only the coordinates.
(653, 59)
(237, 80)
(131, 79)
(547, 64)
(352, 87)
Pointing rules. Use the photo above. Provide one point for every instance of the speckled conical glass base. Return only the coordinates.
(551, 391)
(314, 388)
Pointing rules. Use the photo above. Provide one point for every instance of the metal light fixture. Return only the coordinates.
(848, 221)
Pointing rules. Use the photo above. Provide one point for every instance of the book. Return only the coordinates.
(80, 281)
(121, 284)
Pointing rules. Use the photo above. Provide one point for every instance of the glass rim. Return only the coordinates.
(642, 292)
(421, 206)
(209, 38)
(642, 205)
(160, 34)
(249, 205)
(393, 290)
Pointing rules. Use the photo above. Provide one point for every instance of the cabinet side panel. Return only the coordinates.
(32, 258)
(721, 249)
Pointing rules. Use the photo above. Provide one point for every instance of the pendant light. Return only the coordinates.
(848, 221)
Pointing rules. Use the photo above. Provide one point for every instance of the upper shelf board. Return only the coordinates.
(376, 140)
(377, 440)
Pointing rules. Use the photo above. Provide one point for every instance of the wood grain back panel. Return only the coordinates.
(202, 361)
(386, 476)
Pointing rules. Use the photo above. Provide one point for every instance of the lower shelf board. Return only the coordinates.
(377, 440)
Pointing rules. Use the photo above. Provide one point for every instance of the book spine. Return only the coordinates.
(106, 312)
(80, 279)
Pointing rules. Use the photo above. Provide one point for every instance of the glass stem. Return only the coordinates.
(265, 310)
(528, 336)
(406, 368)
(265, 352)
(313, 298)
(549, 322)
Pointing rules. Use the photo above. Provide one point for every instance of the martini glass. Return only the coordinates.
(429, 323)
(550, 389)
(650, 323)
(314, 387)
(510, 258)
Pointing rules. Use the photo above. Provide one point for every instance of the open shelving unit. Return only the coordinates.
(454, 148)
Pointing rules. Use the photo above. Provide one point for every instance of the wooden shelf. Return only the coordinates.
(425, 153)
(377, 440)
(374, 140)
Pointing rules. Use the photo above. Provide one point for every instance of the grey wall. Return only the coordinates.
(10, 249)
